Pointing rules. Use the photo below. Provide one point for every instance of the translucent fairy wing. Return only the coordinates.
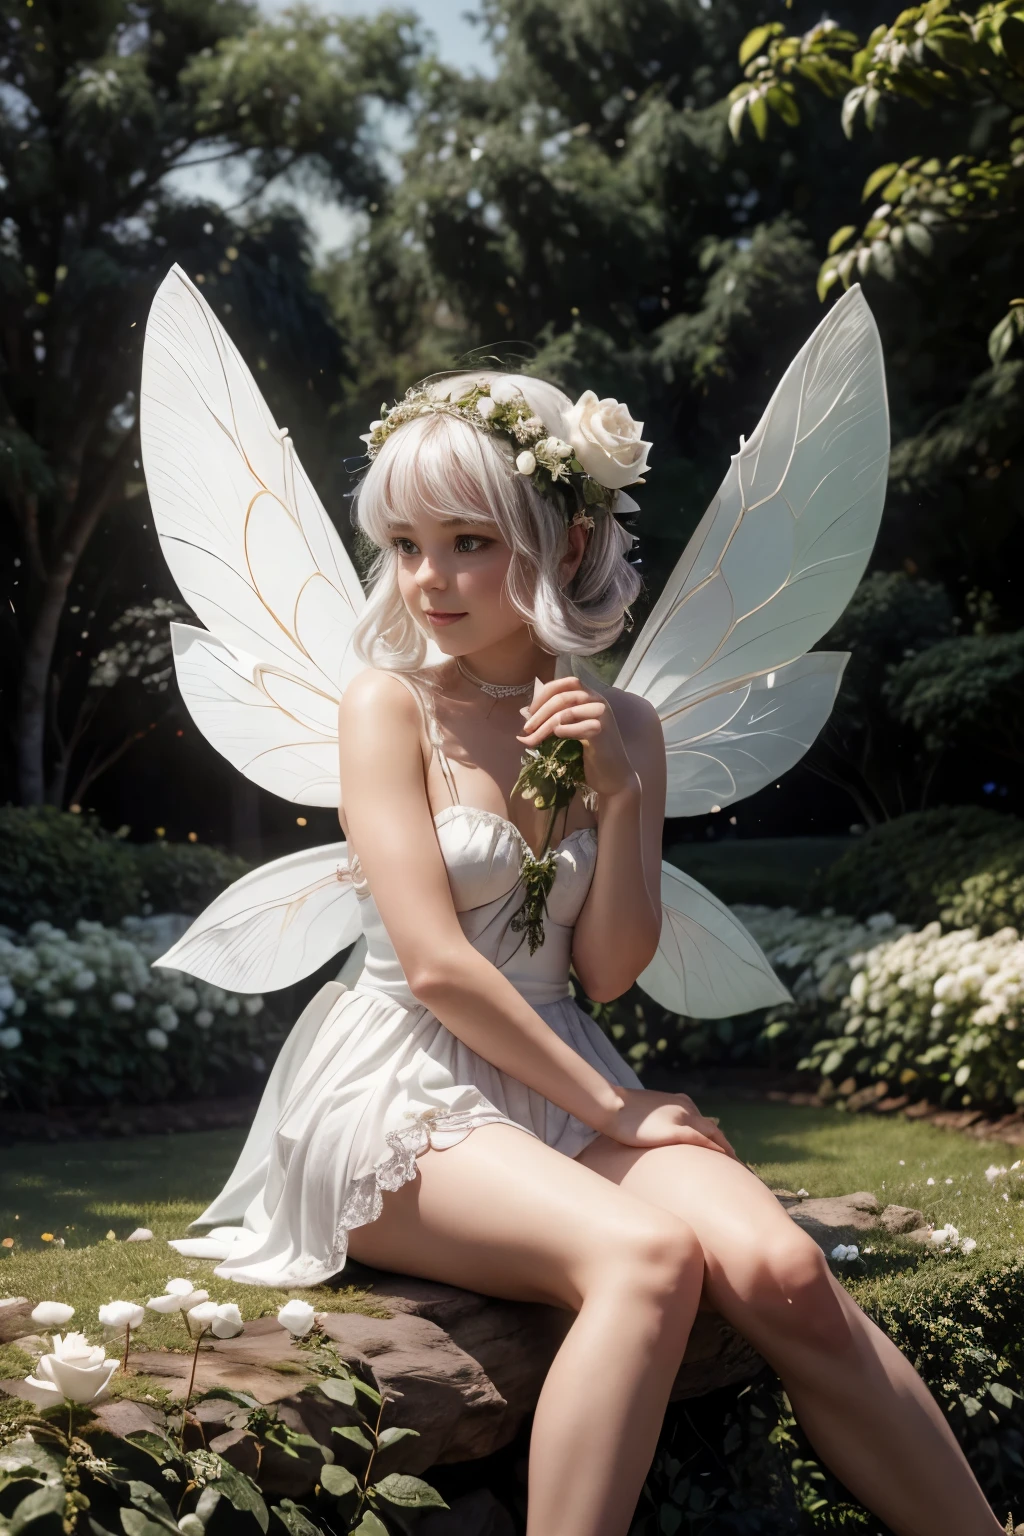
(780, 550)
(707, 965)
(730, 744)
(279, 730)
(274, 926)
(246, 538)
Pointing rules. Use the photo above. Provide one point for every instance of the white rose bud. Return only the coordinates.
(607, 441)
(228, 1322)
(52, 1314)
(525, 462)
(297, 1317)
(122, 1314)
(179, 1297)
(485, 406)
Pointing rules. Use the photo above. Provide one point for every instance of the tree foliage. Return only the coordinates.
(102, 101)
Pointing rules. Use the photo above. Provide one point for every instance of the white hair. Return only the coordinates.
(440, 464)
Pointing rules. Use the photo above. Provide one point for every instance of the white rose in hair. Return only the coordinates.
(526, 463)
(607, 440)
(485, 406)
(503, 392)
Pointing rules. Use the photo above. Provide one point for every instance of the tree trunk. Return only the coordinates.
(35, 680)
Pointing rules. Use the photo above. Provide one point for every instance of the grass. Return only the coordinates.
(82, 1191)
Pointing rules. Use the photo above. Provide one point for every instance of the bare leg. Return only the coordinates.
(505, 1215)
(859, 1400)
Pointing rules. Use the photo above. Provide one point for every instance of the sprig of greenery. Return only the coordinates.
(549, 778)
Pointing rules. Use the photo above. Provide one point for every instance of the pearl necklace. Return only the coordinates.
(494, 690)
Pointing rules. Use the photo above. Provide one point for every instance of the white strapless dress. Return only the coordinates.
(369, 1078)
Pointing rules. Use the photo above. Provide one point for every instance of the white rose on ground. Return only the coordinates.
(607, 441)
(846, 1252)
(179, 1296)
(52, 1314)
(224, 1321)
(525, 462)
(140, 1235)
(122, 1314)
(297, 1317)
(77, 1370)
(968, 1245)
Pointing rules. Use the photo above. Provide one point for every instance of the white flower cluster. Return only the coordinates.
(98, 976)
(908, 1004)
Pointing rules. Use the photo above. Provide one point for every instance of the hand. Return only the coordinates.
(649, 1119)
(564, 707)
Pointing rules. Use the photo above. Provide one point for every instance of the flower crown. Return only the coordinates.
(589, 450)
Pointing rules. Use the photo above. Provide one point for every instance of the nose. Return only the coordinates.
(429, 576)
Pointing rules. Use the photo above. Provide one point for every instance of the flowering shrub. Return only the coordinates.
(933, 1010)
(83, 1019)
(183, 877)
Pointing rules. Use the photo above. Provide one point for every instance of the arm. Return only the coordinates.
(388, 823)
(618, 930)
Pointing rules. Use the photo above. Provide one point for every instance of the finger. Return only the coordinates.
(588, 716)
(547, 691)
(712, 1132)
(688, 1135)
(539, 713)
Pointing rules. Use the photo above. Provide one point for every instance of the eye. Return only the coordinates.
(404, 546)
(469, 543)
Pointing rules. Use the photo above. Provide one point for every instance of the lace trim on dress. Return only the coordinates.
(365, 1200)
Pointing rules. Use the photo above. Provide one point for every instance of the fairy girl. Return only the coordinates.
(454, 1114)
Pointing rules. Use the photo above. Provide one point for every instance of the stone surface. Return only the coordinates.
(902, 1219)
(14, 1318)
(462, 1369)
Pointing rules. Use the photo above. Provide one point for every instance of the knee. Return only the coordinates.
(661, 1259)
(791, 1291)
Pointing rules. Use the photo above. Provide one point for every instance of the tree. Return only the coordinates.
(101, 102)
(940, 91)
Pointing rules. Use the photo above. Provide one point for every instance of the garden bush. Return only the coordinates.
(184, 877)
(915, 866)
(85, 1020)
(58, 868)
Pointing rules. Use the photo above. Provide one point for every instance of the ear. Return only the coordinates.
(576, 543)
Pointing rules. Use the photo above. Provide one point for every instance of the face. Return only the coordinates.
(452, 577)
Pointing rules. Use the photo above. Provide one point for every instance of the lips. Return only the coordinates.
(439, 618)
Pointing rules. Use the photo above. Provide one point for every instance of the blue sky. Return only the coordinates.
(458, 42)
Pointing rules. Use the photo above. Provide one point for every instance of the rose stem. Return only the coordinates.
(127, 1345)
(192, 1379)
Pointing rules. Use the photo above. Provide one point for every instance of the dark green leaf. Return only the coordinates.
(23, 1457)
(393, 1435)
(243, 1399)
(408, 1492)
(40, 1503)
(241, 1493)
(337, 1480)
(294, 1518)
(355, 1434)
(338, 1390)
(158, 1446)
(369, 1525)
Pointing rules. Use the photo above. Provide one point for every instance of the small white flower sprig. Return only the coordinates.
(596, 450)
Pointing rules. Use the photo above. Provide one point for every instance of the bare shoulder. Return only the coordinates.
(379, 700)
